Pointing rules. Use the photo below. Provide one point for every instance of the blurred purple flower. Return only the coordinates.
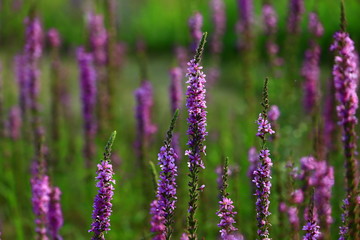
(195, 25)
(54, 37)
(97, 37)
(176, 88)
(219, 22)
(14, 122)
(55, 216)
(274, 113)
(157, 221)
(296, 9)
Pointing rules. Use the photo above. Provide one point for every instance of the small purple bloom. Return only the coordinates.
(253, 158)
(54, 37)
(246, 13)
(157, 221)
(264, 127)
(297, 196)
(311, 228)
(315, 26)
(270, 19)
(274, 113)
(227, 220)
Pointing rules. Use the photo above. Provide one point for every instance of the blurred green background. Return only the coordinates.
(162, 25)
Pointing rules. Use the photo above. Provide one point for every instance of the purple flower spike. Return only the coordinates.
(219, 21)
(88, 96)
(262, 175)
(14, 123)
(176, 88)
(98, 37)
(311, 73)
(144, 99)
(102, 202)
(226, 215)
(195, 25)
(55, 216)
(246, 13)
(196, 105)
(34, 38)
(40, 201)
(23, 83)
(253, 158)
(344, 229)
(296, 9)
(346, 77)
(270, 19)
(54, 37)
(157, 221)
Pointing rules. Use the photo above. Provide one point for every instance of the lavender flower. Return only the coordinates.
(54, 38)
(296, 9)
(345, 73)
(184, 236)
(166, 190)
(102, 202)
(97, 38)
(196, 105)
(219, 22)
(40, 187)
(14, 123)
(195, 25)
(262, 174)
(175, 88)
(311, 72)
(226, 215)
(88, 96)
(55, 217)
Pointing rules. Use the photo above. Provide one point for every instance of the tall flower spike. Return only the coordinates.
(102, 202)
(226, 213)
(311, 227)
(196, 105)
(219, 22)
(296, 9)
(346, 76)
(262, 174)
(87, 77)
(166, 190)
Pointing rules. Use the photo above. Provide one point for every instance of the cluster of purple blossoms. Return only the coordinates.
(262, 176)
(166, 191)
(54, 37)
(196, 105)
(176, 88)
(270, 19)
(227, 220)
(144, 99)
(273, 114)
(219, 21)
(41, 190)
(88, 96)
(97, 38)
(293, 215)
(264, 127)
(14, 122)
(345, 73)
(296, 9)
(34, 39)
(312, 228)
(102, 202)
(315, 26)
(157, 221)
(22, 82)
(195, 25)
(311, 72)
(55, 217)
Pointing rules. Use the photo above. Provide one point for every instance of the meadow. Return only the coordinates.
(61, 128)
